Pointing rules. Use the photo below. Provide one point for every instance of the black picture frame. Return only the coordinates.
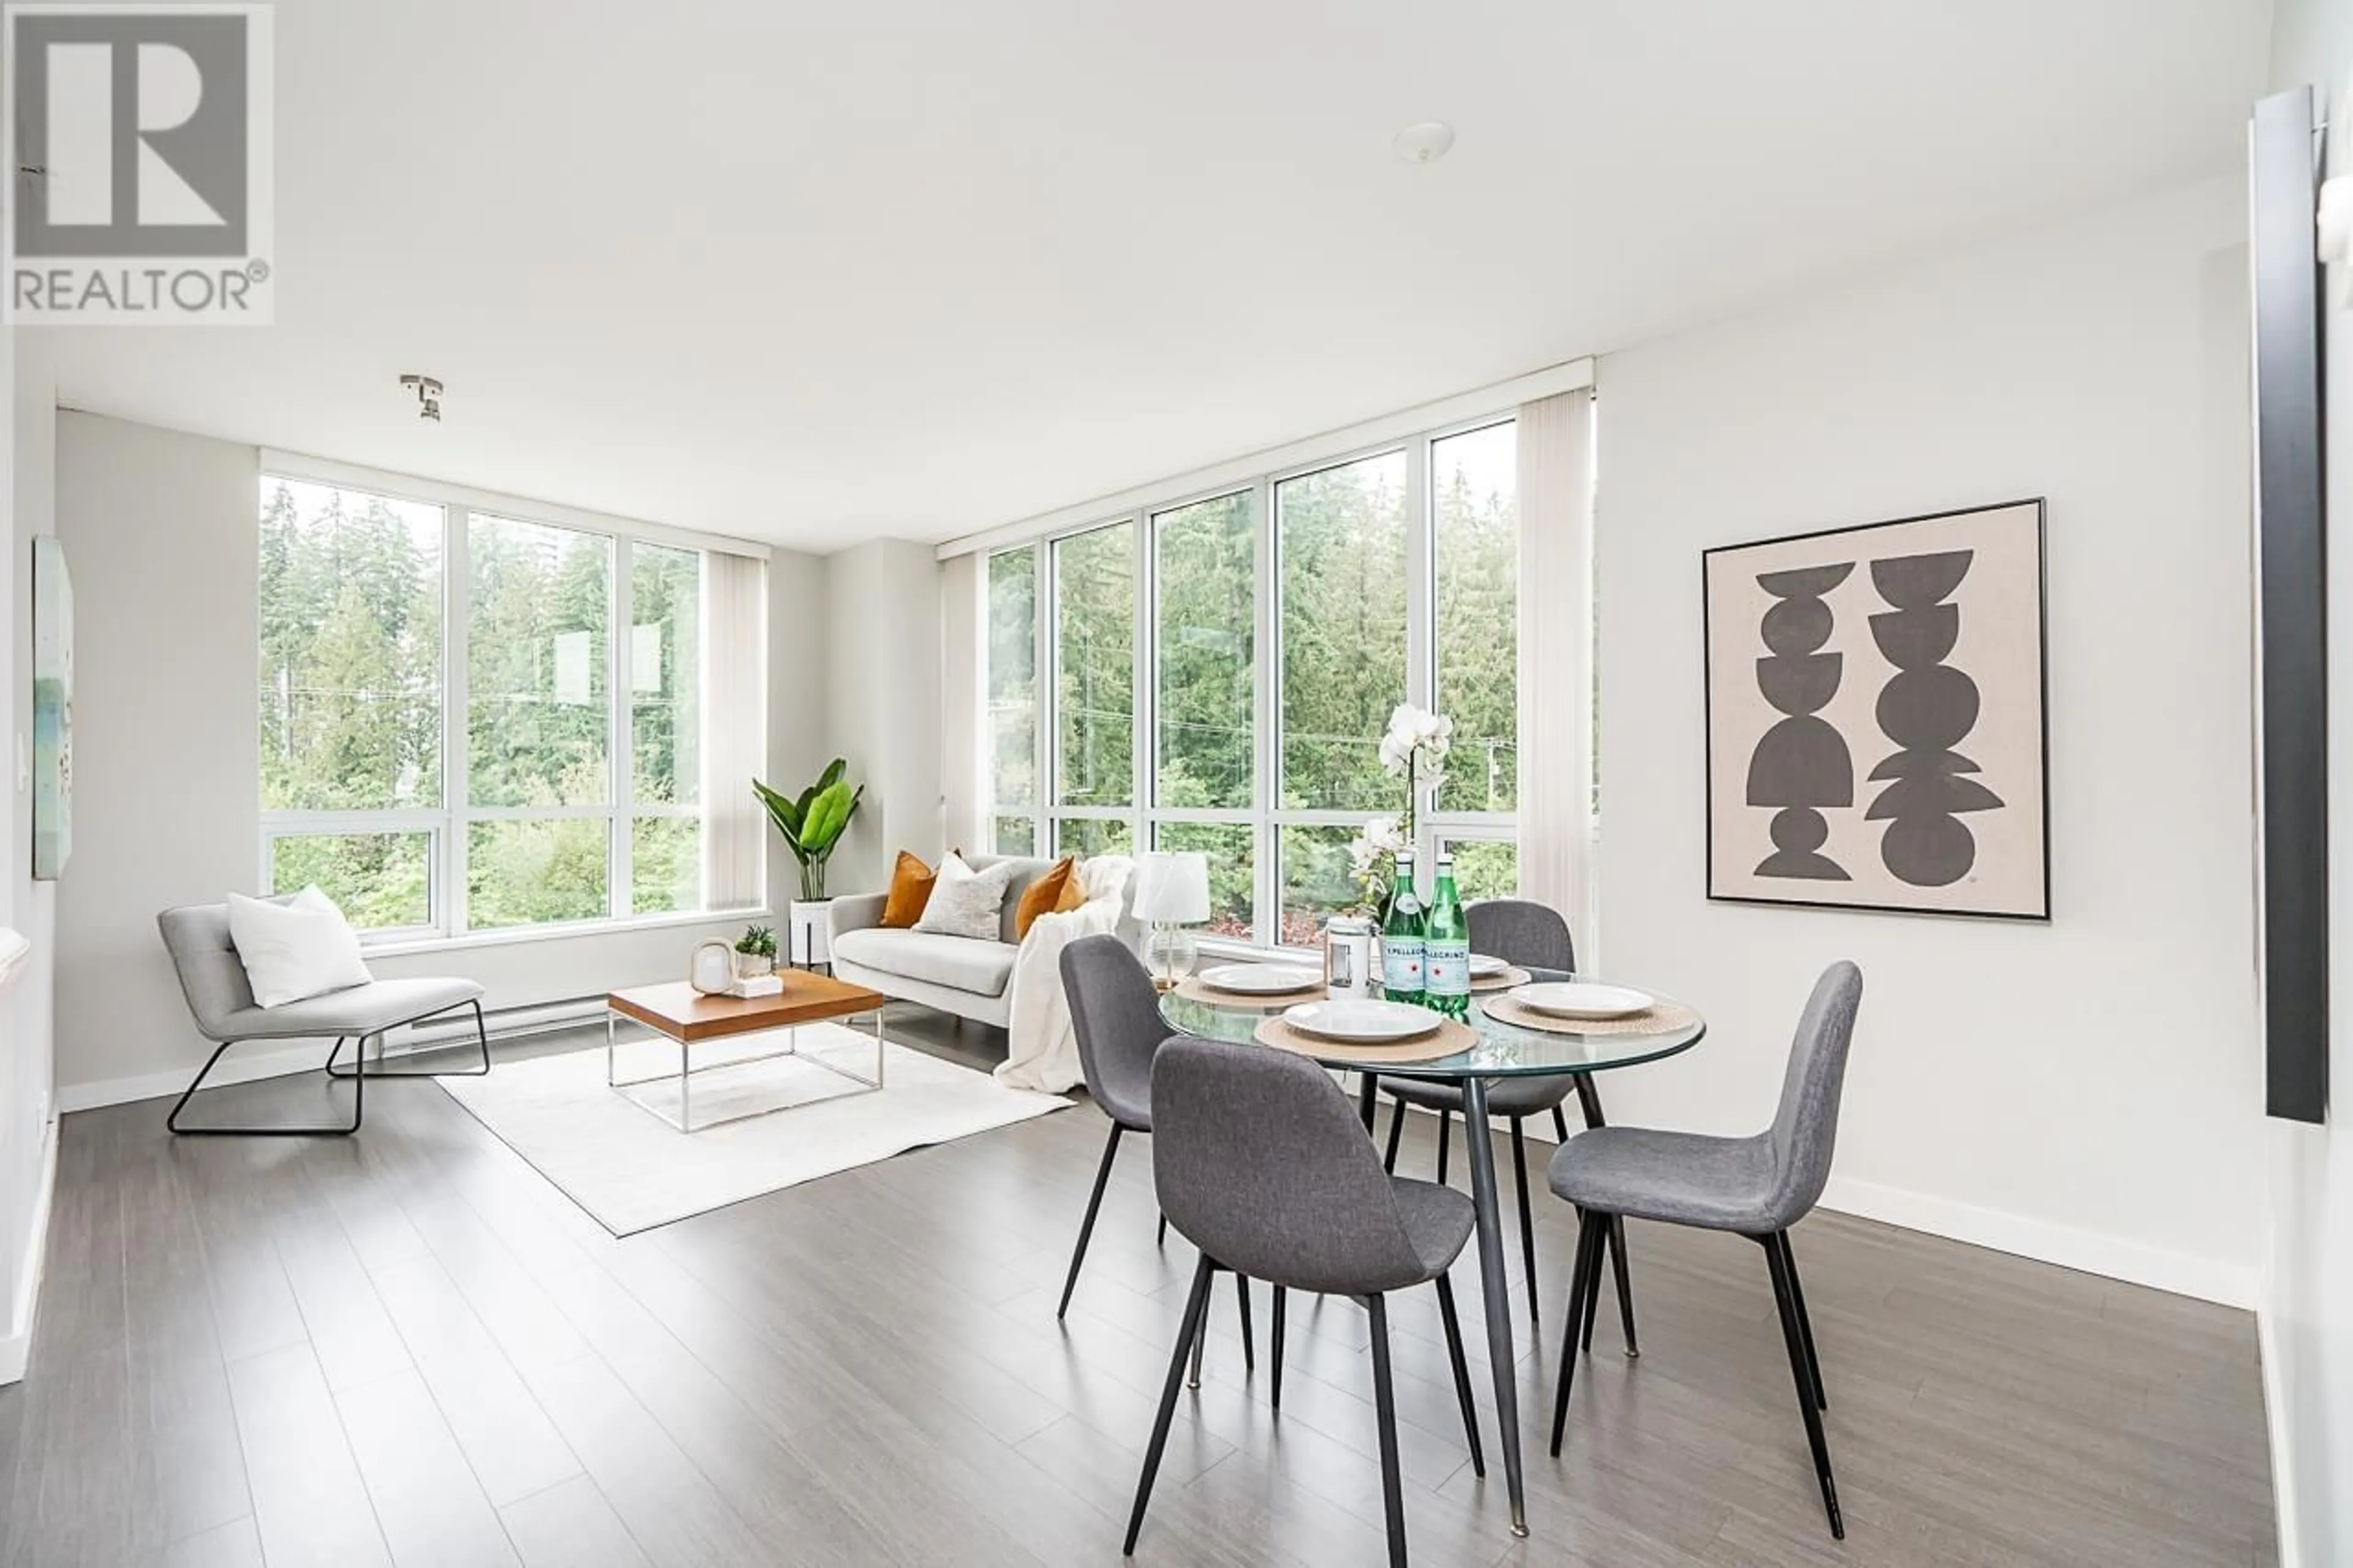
(2043, 684)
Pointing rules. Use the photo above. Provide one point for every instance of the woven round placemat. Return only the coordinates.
(1452, 1037)
(1501, 981)
(1659, 1018)
(1192, 989)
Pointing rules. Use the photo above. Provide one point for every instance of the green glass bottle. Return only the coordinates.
(1446, 948)
(1401, 938)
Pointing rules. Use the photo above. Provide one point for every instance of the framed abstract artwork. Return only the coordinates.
(1877, 720)
(52, 708)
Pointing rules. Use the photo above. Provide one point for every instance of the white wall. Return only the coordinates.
(28, 1107)
(796, 691)
(2086, 1090)
(882, 703)
(161, 530)
(2308, 1308)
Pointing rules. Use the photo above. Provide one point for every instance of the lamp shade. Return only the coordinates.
(1173, 885)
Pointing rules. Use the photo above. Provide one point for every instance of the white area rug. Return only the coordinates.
(633, 1172)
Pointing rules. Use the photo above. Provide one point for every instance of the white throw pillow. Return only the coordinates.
(965, 902)
(291, 951)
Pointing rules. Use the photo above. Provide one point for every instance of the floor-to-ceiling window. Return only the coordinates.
(1219, 672)
(473, 722)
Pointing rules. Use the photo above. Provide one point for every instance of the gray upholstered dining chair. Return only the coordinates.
(1520, 931)
(1757, 1187)
(1262, 1163)
(220, 999)
(1115, 1014)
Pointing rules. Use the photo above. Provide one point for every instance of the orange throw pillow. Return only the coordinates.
(1075, 894)
(911, 889)
(1043, 896)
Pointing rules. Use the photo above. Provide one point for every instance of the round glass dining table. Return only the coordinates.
(1501, 1050)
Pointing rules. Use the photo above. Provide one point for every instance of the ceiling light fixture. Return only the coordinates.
(428, 395)
(1424, 143)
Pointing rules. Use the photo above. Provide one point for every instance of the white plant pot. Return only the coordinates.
(805, 928)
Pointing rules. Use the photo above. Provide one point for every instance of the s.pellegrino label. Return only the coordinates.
(1401, 938)
(1446, 948)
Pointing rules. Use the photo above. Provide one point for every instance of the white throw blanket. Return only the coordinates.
(1044, 1050)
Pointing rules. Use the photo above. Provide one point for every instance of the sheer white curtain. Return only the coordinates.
(963, 704)
(1555, 671)
(736, 728)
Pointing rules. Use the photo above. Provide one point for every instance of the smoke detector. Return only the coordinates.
(1424, 143)
(428, 395)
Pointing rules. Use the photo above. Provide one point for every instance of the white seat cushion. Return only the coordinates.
(295, 950)
(361, 1010)
(960, 963)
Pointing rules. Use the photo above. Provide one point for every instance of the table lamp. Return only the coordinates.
(1172, 891)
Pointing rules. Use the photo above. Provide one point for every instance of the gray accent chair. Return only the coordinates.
(1262, 1162)
(220, 999)
(956, 974)
(1757, 1187)
(1115, 1014)
(1534, 935)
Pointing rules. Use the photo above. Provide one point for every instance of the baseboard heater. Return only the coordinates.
(505, 1023)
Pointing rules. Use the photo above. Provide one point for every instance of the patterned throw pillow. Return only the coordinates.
(965, 902)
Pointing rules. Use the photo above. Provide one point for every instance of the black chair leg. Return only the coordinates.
(171, 1118)
(1196, 1309)
(1527, 1218)
(1161, 1237)
(1777, 1258)
(1625, 1288)
(1593, 1296)
(1367, 1094)
(1200, 1343)
(1397, 1136)
(1560, 1123)
(1445, 1125)
(1582, 1283)
(1588, 1101)
(1461, 1371)
(359, 1064)
(1087, 1225)
(1281, 1319)
(1805, 1323)
(1385, 1411)
(1242, 1300)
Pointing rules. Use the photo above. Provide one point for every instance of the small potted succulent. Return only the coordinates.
(756, 952)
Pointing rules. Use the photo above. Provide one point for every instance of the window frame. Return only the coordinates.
(448, 824)
(1264, 815)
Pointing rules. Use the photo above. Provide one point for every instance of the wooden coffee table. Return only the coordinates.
(686, 1017)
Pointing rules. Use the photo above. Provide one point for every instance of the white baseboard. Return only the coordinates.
(2109, 1257)
(2277, 1430)
(18, 1345)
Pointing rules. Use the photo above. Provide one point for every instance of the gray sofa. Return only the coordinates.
(953, 974)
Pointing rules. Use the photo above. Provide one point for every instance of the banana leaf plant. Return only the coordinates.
(813, 822)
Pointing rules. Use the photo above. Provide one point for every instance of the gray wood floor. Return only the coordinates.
(406, 1348)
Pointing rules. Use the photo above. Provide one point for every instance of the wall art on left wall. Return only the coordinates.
(53, 681)
(1876, 717)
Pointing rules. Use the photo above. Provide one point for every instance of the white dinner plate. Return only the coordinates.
(1576, 999)
(1261, 979)
(1486, 966)
(1363, 1022)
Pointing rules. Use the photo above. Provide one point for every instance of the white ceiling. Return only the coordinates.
(733, 265)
